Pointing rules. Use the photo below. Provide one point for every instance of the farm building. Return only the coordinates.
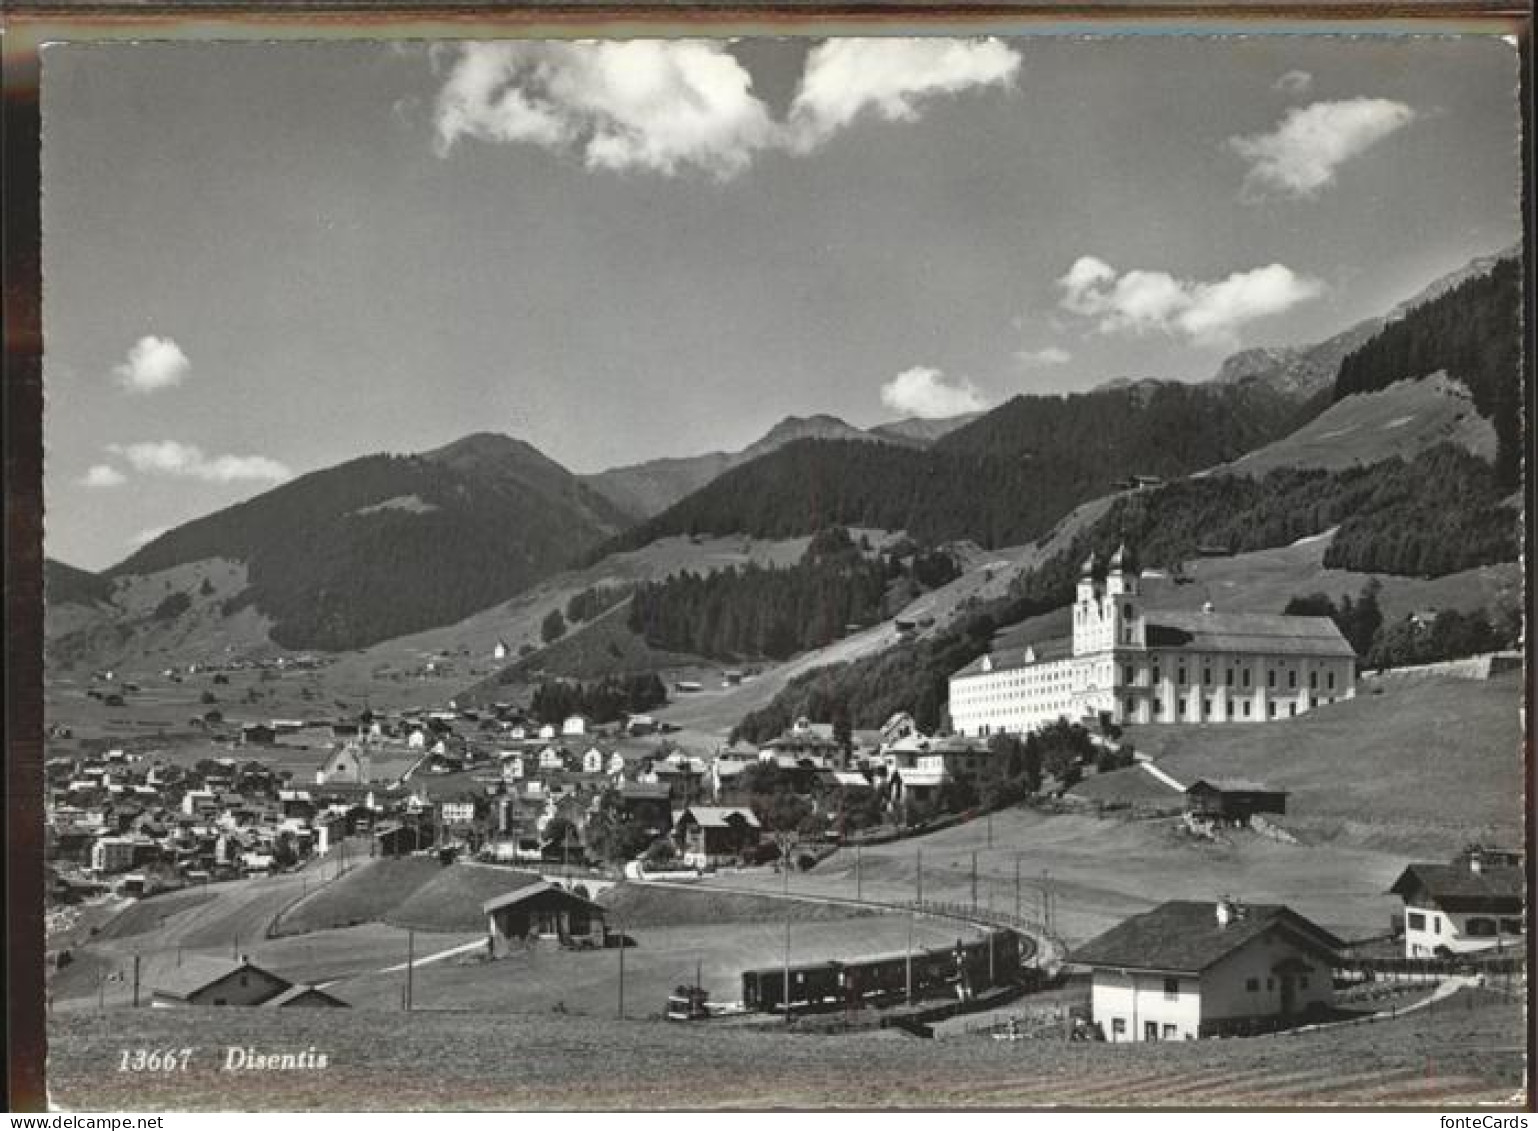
(541, 911)
(217, 981)
(1232, 799)
(1195, 969)
(711, 834)
(1473, 904)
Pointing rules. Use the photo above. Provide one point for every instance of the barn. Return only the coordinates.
(542, 911)
(1233, 799)
(217, 981)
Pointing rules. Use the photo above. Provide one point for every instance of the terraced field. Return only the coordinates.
(1470, 1051)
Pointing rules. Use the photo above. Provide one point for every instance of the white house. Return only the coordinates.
(1473, 904)
(1194, 969)
(1128, 662)
(500, 652)
(576, 725)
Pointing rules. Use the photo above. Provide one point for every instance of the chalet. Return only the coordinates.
(1195, 969)
(199, 980)
(709, 835)
(1233, 800)
(1473, 904)
(540, 911)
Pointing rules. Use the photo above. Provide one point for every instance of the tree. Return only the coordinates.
(561, 833)
(553, 627)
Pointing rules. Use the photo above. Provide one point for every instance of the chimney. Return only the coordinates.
(1225, 911)
(1206, 606)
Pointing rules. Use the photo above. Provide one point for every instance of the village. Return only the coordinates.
(563, 813)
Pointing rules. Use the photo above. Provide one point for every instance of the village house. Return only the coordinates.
(1127, 662)
(1196, 969)
(711, 835)
(1473, 904)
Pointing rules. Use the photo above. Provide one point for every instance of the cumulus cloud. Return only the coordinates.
(1300, 156)
(1206, 313)
(670, 106)
(1046, 356)
(153, 363)
(889, 78)
(646, 104)
(188, 461)
(1294, 83)
(103, 475)
(922, 391)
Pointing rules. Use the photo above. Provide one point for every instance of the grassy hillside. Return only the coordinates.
(366, 894)
(451, 900)
(65, 585)
(1397, 421)
(1418, 765)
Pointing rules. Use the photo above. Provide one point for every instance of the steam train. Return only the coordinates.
(961, 971)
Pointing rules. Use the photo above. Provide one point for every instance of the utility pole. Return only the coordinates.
(136, 981)
(857, 884)
(785, 986)
(974, 882)
(919, 873)
(1017, 889)
(990, 828)
(909, 981)
(411, 961)
(621, 970)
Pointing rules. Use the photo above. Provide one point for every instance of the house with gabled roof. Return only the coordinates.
(709, 835)
(200, 980)
(1190, 969)
(1476, 903)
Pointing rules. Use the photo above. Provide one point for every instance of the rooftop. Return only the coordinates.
(1184, 936)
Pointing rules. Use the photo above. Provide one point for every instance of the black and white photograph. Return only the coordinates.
(902, 569)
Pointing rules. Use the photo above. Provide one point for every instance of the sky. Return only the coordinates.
(264, 259)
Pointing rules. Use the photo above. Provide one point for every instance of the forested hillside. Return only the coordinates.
(65, 585)
(1436, 514)
(1474, 332)
(386, 545)
(1003, 479)
(774, 613)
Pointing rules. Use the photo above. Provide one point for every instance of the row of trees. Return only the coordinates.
(604, 701)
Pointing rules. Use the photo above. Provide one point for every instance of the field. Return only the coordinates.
(365, 894)
(1419, 765)
(1402, 420)
(1468, 1051)
(545, 979)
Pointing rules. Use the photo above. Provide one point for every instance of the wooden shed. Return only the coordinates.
(1233, 799)
(542, 911)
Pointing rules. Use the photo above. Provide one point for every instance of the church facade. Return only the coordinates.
(1126, 663)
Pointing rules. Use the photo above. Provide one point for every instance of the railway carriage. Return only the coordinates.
(961, 970)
